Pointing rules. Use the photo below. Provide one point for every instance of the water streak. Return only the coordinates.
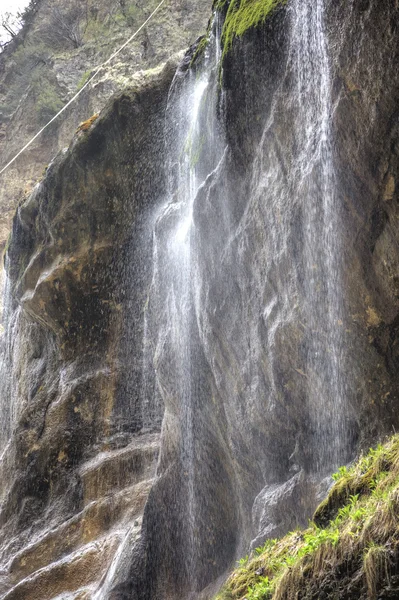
(192, 125)
(8, 353)
(315, 179)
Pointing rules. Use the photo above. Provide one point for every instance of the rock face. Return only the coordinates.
(271, 288)
(267, 248)
(78, 467)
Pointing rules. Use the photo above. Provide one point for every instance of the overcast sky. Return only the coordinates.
(12, 5)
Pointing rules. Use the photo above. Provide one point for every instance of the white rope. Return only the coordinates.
(85, 86)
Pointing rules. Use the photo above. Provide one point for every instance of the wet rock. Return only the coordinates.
(36, 76)
(77, 469)
(271, 418)
(284, 507)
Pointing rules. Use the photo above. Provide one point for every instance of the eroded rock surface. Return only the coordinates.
(291, 335)
(79, 466)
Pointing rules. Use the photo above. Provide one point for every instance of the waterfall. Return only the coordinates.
(194, 148)
(314, 177)
(8, 351)
(201, 320)
(191, 129)
(295, 285)
(244, 326)
(245, 314)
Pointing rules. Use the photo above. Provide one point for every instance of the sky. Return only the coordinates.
(12, 5)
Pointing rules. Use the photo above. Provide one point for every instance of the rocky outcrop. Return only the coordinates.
(78, 467)
(272, 332)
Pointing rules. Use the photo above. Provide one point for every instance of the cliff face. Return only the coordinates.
(280, 300)
(239, 281)
(78, 467)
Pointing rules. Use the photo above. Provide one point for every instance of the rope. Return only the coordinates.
(85, 86)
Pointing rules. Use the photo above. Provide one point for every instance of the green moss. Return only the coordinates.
(203, 42)
(202, 45)
(243, 15)
(360, 526)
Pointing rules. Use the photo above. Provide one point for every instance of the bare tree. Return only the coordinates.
(14, 26)
(68, 25)
(27, 15)
(10, 25)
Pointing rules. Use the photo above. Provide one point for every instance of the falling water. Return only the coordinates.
(291, 278)
(246, 300)
(151, 401)
(221, 298)
(171, 319)
(316, 181)
(8, 384)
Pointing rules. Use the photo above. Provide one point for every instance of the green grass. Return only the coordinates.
(355, 525)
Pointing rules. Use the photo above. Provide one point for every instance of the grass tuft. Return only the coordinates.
(376, 567)
(355, 530)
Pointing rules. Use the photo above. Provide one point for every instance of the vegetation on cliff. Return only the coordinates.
(54, 48)
(350, 549)
(14, 26)
(242, 15)
(238, 17)
(55, 37)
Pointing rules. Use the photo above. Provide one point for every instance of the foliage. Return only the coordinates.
(28, 13)
(31, 73)
(67, 24)
(47, 97)
(364, 518)
(48, 104)
(11, 24)
(63, 28)
(342, 472)
(243, 561)
(261, 591)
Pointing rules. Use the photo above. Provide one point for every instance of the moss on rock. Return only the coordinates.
(242, 15)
